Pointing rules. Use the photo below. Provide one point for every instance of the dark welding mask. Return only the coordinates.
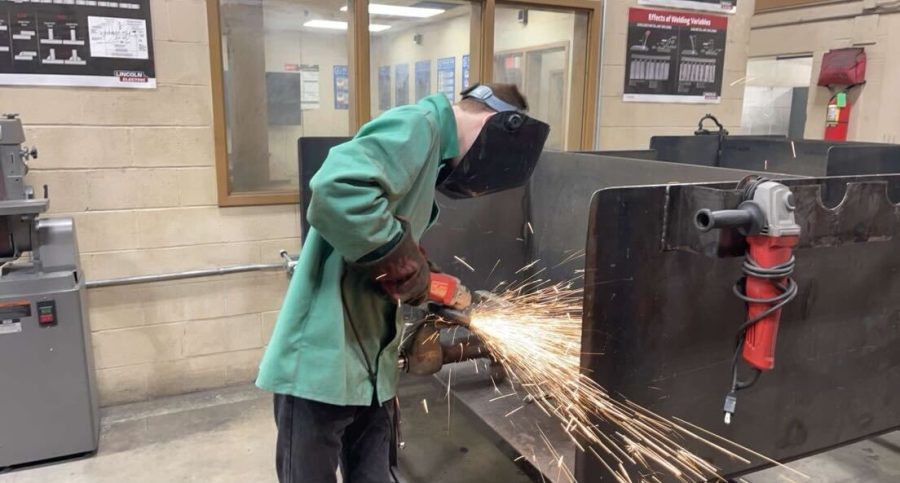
(504, 154)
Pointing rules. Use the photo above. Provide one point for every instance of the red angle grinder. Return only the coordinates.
(449, 302)
(766, 219)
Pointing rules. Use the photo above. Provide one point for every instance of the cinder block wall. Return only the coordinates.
(629, 125)
(815, 30)
(135, 169)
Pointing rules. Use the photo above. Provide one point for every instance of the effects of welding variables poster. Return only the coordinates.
(723, 6)
(76, 43)
(674, 56)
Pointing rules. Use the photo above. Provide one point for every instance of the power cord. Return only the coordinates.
(788, 291)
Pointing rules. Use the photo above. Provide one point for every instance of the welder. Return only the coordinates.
(332, 359)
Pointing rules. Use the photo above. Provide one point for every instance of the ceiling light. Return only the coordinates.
(339, 25)
(401, 11)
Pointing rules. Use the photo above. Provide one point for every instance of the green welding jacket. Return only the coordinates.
(337, 336)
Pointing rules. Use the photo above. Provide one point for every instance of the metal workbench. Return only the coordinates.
(517, 434)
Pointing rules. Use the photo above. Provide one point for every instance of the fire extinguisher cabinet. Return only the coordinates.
(842, 69)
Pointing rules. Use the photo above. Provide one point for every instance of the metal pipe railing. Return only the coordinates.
(287, 265)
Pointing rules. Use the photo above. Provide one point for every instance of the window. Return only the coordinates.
(417, 51)
(533, 49)
(775, 96)
(286, 69)
(275, 57)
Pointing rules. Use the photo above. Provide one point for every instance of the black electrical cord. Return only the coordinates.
(788, 290)
(373, 377)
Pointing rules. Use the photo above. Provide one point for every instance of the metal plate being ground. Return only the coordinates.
(659, 308)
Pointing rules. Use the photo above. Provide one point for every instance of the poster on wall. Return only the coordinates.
(423, 78)
(341, 87)
(724, 6)
(674, 56)
(401, 84)
(465, 71)
(446, 77)
(384, 87)
(76, 43)
(309, 86)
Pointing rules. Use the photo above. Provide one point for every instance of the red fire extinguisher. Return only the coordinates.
(837, 118)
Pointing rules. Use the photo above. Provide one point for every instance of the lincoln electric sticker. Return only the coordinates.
(76, 43)
(674, 56)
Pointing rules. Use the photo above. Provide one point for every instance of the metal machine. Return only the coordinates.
(48, 399)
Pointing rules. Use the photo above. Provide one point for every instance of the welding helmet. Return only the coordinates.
(504, 154)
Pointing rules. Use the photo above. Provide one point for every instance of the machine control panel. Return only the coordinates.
(46, 312)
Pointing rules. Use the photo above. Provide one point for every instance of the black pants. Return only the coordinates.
(314, 438)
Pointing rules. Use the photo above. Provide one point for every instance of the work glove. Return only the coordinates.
(403, 272)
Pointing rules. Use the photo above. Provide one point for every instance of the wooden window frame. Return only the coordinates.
(585, 61)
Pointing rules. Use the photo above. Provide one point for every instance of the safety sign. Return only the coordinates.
(674, 56)
(76, 43)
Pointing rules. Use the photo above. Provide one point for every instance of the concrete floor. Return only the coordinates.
(227, 436)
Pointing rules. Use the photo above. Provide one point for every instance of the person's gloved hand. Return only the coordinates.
(403, 272)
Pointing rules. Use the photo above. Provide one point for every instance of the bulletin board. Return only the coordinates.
(674, 56)
(77, 43)
(283, 98)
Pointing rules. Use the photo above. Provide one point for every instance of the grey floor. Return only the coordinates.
(227, 436)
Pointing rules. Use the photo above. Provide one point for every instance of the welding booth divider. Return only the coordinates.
(659, 308)
(556, 200)
(770, 153)
(659, 302)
